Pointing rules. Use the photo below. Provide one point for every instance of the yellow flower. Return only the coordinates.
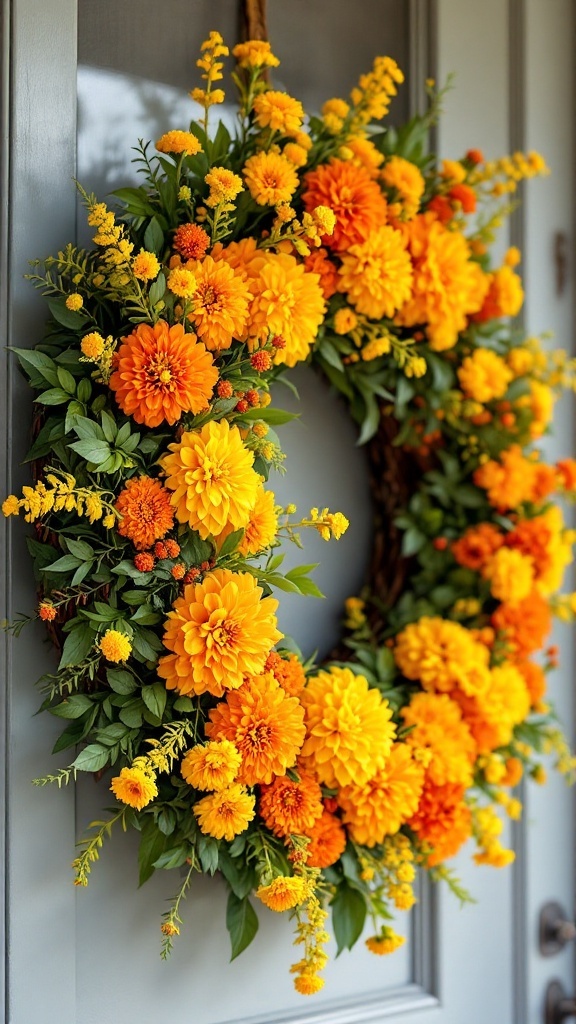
(287, 302)
(278, 111)
(11, 506)
(179, 142)
(92, 345)
(211, 475)
(407, 182)
(145, 266)
(348, 726)
(377, 274)
(386, 801)
(337, 107)
(255, 54)
(328, 524)
(443, 655)
(182, 282)
(224, 186)
(511, 575)
(345, 320)
(308, 984)
(211, 766)
(375, 348)
(134, 787)
(438, 730)
(386, 942)
(484, 375)
(284, 893)
(453, 171)
(115, 646)
(226, 813)
(271, 178)
(219, 631)
(296, 154)
(220, 308)
(74, 302)
(262, 525)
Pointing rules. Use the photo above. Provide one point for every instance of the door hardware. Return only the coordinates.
(555, 930)
(558, 1007)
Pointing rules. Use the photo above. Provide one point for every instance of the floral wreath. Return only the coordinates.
(157, 545)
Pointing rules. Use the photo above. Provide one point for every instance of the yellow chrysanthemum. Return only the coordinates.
(179, 142)
(288, 806)
(349, 732)
(74, 302)
(406, 181)
(510, 481)
(284, 893)
(386, 801)
(278, 111)
(387, 941)
(224, 186)
(220, 307)
(296, 154)
(376, 274)
(443, 655)
(540, 402)
(145, 266)
(511, 575)
(308, 984)
(491, 716)
(345, 320)
(484, 375)
(211, 766)
(271, 178)
(92, 345)
(226, 813)
(182, 282)
(288, 302)
(134, 787)
(262, 525)
(115, 646)
(211, 475)
(439, 731)
(264, 723)
(219, 631)
(11, 506)
(255, 54)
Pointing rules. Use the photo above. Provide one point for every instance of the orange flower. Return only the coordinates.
(406, 183)
(225, 813)
(318, 263)
(262, 525)
(443, 655)
(525, 625)
(212, 766)
(353, 196)
(438, 727)
(491, 716)
(533, 537)
(284, 893)
(535, 679)
(219, 631)
(509, 482)
(191, 241)
(162, 372)
(211, 475)
(386, 801)
(477, 545)
(146, 511)
(505, 295)
(287, 671)
(465, 195)
(265, 725)
(566, 469)
(327, 841)
(220, 303)
(287, 301)
(291, 807)
(543, 481)
(376, 274)
(443, 820)
(271, 178)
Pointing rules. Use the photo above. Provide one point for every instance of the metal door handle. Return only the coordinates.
(558, 1007)
(555, 929)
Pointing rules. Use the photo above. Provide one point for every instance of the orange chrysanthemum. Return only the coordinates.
(287, 301)
(352, 195)
(327, 841)
(318, 263)
(535, 679)
(218, 631)
(525, 625)
(438, 727)
(406, 184)
(191, 241)
(534, 538)
(146, 512)
(376, 274)
(566, 469)
(491, 716)
(161, 372)
(386, 801)
(134, 787)
(261, 526)
(211, 766)
(443, 820)
(477, 545)
(287, 671)
(265, 725)
(287, 806)
(210, 473)
(504, 297)
(349, 732)
(220, 304)
(448, 286)
(443, 655)
(225, 813)
(283, 893)
(271, 178)
(508, 482)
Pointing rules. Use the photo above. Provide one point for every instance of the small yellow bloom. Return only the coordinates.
(92, 345)
(182, 282)
(255, 54)
(74, 302)
(224, 186)
(115, 646)
(145, 266)
(179, 142)
(345, 320)
(283, 893)
(11, 506)
(213, 766)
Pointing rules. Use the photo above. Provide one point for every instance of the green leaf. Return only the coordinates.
(183, 704)
(154, 237)
(121, 681)
(92, 450)
(77, 647)
(412, 541)
(270, 415)
(79, 548)
(136, 201)
(54, 396)
(241, 922)
(307, 587)
(108, 425)
(348, 916)
(88, 429)
(64, 564)
(152, 846)
(66, 317)
(231, 543)
(157, 290)
(208, 853)
(92, 758)
(154, 697)
(146, 615)
(66, 380)
(73, 707)
(239, 877)
(173, 857)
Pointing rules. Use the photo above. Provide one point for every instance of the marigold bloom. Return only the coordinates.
(74, 301)
(511, 575)
(134, 787)
(327, 841)
(218, 631)
(308, 984)
(504, 297)
(212, 765)
(484, 375)
(566, 469)
(262, 525)
(477, 545)
(406, 183)
(443, 820)
(297, 155)
(352, 195)
(349, 728)
(508, 482)
(287, 671)
(365, 154)
(443, 655)
(191, 241)
(115, 646)
(318, 263)
(255, 53)
(491, 716)
(225, 813)
(178, 142)
(287, 302)
(224, 186)
(345, 320)
(283, 893)
(144, 561)
(162, 372)
(289, 807)
(92, 345)
(211, 475)
(386, 942)
(386, 801)
(182, 282)
(438, 728)
(447, 286)
(465, 196)
(220, 306)
(278, 111)
(271, 178)
(145, 510)
(376, 274)
(264, 723)
(526, 625)
(145, 266)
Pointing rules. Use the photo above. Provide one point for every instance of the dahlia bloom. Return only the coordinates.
(211, 766)
(225, 813)
(376, 274)
(443, 655)
(327, 841)
(287, 806)
(220, 304)
(354, 197)
(284, 893)
(386, 801)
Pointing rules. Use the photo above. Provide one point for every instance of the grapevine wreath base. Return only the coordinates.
(313, 789)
